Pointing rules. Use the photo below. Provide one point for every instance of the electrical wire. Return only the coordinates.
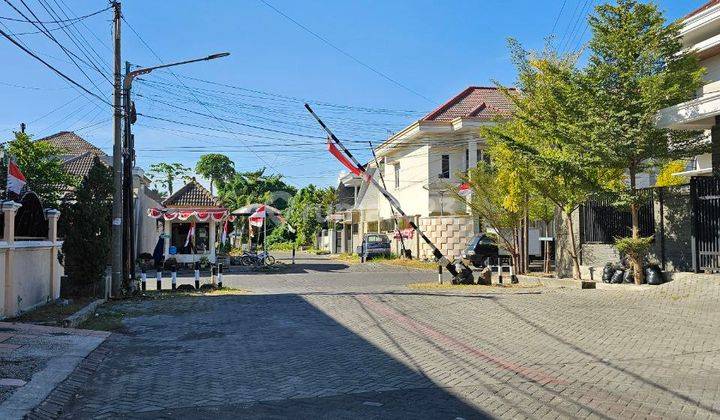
(51, 67)
(347, 54)
(56, 21)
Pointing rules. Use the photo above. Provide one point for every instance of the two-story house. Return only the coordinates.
(420, 165)
(700, 33)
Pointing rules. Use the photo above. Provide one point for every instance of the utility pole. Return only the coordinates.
(128, 203)
(117, 208)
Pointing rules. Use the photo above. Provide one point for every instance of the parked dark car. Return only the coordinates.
(481, 248)
(374, 244)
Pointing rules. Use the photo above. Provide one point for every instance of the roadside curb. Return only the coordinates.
(582, 284)
(62, 396)
(80, 316)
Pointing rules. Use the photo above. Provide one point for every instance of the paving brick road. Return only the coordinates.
(332, 341)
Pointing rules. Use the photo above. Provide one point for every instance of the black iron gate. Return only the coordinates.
(705, 196)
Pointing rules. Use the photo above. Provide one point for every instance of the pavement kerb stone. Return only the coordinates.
(80, 316)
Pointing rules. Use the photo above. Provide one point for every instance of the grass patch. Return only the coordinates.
(404, 262)
(104, 319)
(52, 313)
(348, 258)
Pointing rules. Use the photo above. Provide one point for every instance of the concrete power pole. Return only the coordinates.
(117, 208)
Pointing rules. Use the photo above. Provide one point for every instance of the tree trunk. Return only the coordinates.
(636, 260)
(573, 248)
(526, 238)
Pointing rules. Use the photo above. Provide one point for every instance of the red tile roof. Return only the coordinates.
(474, 102)
(703, 8)
(70, 144)
(80, 165)
(192, 195)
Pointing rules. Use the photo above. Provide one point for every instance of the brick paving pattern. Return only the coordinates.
(348, 343)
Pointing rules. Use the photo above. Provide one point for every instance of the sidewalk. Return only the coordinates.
(35, 359)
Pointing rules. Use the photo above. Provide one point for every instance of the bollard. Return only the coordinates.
(143, 278)
(220, 275)
(158, 276)
(173, 275)
(440, 279)
(293, 255)
(197, 275)
(513, 277)
(500, 271)
(213, 272)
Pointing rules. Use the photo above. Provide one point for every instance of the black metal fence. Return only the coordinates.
(705, 196)
(601, 221)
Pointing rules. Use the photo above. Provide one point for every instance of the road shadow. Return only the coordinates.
(254, 356)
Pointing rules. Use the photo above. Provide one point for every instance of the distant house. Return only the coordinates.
(78, 156)
(420, 165)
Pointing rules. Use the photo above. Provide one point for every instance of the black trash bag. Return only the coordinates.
(653, 275)
(608, 272)
(629, 276)
(618, 276)
(465, 275)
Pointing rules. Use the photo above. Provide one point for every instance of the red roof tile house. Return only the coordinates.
(78, 156)
(420, 165)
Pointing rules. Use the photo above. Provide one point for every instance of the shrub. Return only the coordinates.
(86, 227)
(636, 249)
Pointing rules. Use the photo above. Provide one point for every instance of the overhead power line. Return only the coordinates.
(55, 21)
(347, 54)
(51, 67)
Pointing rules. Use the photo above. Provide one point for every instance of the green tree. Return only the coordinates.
(307, 211)
(165, 174)
(216, 167)
(667, 177)
(41, 164)
(549, 131)
(85, 224)
(637, 66)
(255, 187)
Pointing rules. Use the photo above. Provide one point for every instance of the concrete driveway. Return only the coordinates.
(328, 340)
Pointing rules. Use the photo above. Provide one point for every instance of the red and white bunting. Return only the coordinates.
(464, 189)
(201, 216)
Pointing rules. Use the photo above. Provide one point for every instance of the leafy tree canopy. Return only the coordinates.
(216, 167)
(164, 174)
(41, 164)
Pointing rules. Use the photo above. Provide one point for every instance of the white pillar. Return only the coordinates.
(52, 217)
(472, 163)
(167, 228)
(213, 225)
(9, 209)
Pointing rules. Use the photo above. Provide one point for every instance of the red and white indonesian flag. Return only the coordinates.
(464, 189)
(15, 180)
(342, 158)
(257, 218)
(224, 235)
(190, 234)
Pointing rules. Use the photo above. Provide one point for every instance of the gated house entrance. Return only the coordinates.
(705, 196)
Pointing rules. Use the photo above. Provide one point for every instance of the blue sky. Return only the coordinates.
(252, 100)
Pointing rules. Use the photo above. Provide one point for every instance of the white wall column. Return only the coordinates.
(213, 227)
(52, 217)
(167, 228)
(9, 209)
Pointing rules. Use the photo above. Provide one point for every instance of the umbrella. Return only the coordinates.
(252, 208)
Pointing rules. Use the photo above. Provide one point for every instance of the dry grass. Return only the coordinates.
(403, 262)
(471, 287)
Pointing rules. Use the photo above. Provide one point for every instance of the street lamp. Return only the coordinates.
(129, 159)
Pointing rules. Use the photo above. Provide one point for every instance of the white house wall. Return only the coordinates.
(412, 196)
